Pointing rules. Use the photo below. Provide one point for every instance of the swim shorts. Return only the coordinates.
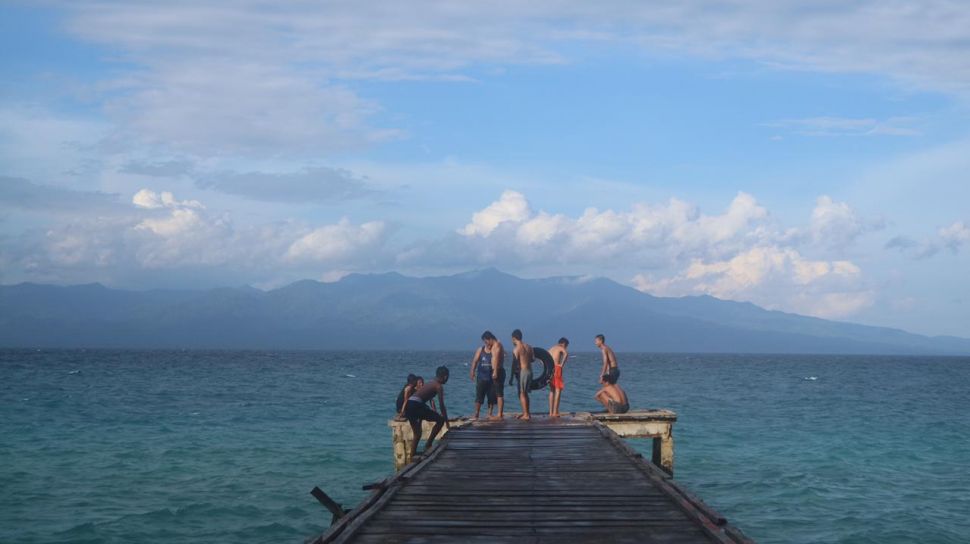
(482, 388)
(616, 408)
(498, 387)
(525, 380)
(612, 375)
(417, 411)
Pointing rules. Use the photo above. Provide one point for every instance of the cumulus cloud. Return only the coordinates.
(338, 243)
(148, 199)
(771, 276)
(510, 207)
(675, 228)
(161, 232)
(836, 224)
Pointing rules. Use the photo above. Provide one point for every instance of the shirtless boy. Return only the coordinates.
(416, 410)
(559, 352)
(523, 355)
(610, 368)
(613, 398)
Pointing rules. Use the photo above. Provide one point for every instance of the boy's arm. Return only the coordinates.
(444, 410)
(407, 395)
(478, 355)
(606, 365)
(501, 361)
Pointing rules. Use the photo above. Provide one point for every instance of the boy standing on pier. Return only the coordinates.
(417, 409)
(611, 370)
(559, 352)
(523, 355)
(488, 375)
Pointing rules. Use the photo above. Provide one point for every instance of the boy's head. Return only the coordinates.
(412, 379)
(442, 374)
(564, 342)
(517, 335)
(418, 381)
(488, 338)
(600, 340)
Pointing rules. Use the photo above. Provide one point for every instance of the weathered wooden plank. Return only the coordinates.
(564, 481)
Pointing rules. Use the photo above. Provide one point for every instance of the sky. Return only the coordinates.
(811, 157)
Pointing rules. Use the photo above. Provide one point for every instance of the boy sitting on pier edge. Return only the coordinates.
(613, 397)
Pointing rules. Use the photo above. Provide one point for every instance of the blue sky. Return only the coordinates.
(808, 157)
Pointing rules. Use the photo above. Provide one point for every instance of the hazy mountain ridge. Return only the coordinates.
(388, 311)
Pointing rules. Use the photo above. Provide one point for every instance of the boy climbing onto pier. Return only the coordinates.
(417, 409)
(523, 355)
(559, 352)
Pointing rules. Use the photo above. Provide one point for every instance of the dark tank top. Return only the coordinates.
(485, 367)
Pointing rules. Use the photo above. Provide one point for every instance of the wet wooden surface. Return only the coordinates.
(557, 481)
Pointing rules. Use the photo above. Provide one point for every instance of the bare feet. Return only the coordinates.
(495, 418)
(525, 418)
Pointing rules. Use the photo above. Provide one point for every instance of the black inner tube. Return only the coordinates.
(548, 366)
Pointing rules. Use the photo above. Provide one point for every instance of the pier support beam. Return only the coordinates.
(402, 437)
(656, 424)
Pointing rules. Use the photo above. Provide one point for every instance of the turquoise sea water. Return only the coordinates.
(205, 446)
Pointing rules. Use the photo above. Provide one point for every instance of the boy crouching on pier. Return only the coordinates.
(416, 410)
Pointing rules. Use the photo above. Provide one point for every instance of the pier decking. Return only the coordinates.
(566, 480)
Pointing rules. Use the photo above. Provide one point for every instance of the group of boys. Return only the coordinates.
(488, 373)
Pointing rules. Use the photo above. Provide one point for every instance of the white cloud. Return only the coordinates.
(676, 228)
(836, 224)
(510, 207)
(146, 198)
(338, 243)
(773, 277)
(955, 235)
(160, 232)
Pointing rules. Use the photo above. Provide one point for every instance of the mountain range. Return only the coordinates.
(392, 311)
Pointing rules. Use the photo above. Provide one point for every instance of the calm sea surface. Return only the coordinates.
(206, 446)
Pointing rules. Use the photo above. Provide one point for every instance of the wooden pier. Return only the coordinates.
(565, 480)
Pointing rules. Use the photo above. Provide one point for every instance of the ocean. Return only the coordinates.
(204, 446)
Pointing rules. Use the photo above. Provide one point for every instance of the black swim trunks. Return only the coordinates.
(482, 388)
(612, 375)
(417, 411)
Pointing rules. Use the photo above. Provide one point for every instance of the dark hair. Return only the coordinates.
(412, 379)
(418, 379)
(564, 341)
(442, 372)
(517, 334)
(601, 337)
(487, 335)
